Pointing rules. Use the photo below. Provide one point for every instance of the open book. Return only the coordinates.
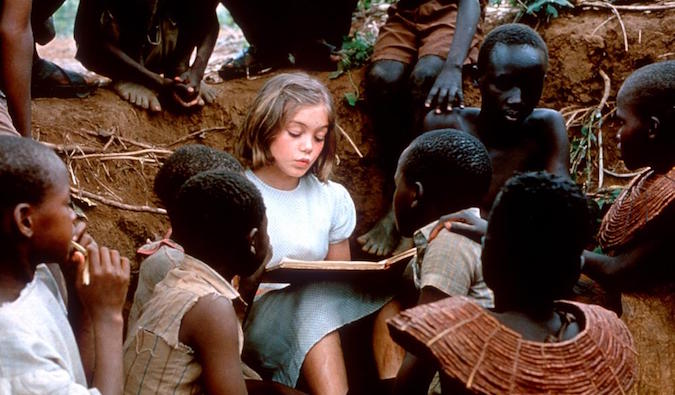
(294, 270)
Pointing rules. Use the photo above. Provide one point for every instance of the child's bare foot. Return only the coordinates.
(207, 93)
(137, 95)
(382, 238)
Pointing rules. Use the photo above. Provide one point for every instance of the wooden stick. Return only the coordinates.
(598, 114)
(349, 139)
(602, 24)
(198, 132)
(86, 280)
(68, 149)
(123, 206)
(125, 154)
(599, 4)
(623, 175)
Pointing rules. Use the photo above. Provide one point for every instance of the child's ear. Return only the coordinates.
(419, 194)
(23, 220)
(253, 240)
(473, 74)
(654, 124)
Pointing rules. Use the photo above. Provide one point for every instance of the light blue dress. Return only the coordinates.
(284, 324)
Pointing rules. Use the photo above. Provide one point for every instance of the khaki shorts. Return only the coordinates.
(427, 29)
(6, 125)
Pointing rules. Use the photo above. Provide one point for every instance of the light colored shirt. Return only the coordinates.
(38, 351)
(155, 360)
(450, 263)
(303, 222)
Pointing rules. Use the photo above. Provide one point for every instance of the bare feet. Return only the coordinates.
(382, 238)
(138, 95)
(207, 93)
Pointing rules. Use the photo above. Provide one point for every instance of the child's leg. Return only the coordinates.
(324, 368)
(422, 79)
(386, 87)
(388, 355)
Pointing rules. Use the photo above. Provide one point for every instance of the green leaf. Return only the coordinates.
(351, 98)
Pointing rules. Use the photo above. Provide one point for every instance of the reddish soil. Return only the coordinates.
(576, 57)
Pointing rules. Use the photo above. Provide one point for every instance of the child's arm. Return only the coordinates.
(339, 252)
(16, 52)
(103, 300)
(206, 41)
(447, 89)
(210, 328)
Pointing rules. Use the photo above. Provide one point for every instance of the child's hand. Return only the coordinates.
(447, 90)
(106, 293)
(185, 91)
(465, 223)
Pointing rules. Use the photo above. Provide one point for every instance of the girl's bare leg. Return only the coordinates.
(388, 355)
(324, 367)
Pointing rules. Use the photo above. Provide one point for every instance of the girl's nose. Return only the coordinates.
(306, 143)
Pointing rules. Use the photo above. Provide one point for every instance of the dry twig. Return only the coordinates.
(601, 4)
(598, 114)
(196, 133)
(112, 203)
(349, 139)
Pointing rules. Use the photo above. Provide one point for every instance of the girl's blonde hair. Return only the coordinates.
(277, 102)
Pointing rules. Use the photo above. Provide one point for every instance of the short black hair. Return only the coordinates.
(537, 230)
(652, 88)
(184, 163)
(213, 213)
(453, 166)
(509, 34)
(26, 170)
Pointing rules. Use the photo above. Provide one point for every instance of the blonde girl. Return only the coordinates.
(288, 142)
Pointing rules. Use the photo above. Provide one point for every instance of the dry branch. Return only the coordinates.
(112, 203)
(125, 155)
(639, 8)
(196, 133)
(349, 139)
(71, 148)
(598, 114)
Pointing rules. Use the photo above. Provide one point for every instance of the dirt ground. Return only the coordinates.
(580, 46)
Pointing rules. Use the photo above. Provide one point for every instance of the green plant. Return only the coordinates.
(355, 52)
(539, 8)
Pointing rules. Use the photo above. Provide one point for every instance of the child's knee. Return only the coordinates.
(425, 72)
(385, 75)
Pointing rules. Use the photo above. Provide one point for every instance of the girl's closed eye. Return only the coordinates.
(294, 133)
(320, 137)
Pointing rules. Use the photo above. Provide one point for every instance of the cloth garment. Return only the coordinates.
(155, 361)
(6, 125)
(39, 354)
(419, 29)
(450, 263)
(474, 348)
(153, 270)
(284, 324)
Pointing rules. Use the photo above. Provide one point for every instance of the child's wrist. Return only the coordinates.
(107, 317)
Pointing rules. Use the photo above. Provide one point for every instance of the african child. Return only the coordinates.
(416, 65)
(532, 341)
(59, 330)
(145, 48)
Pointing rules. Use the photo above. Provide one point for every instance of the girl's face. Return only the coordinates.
(299, 142)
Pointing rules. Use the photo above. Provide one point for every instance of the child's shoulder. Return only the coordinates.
(459, 118)
(547, 124)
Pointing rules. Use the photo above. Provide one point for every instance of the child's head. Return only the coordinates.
(219, 217)
(440, 172)
(512, 64)
(35, 201)
(646, 105)
(184, 163)
(291, 106)
(537, 230)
